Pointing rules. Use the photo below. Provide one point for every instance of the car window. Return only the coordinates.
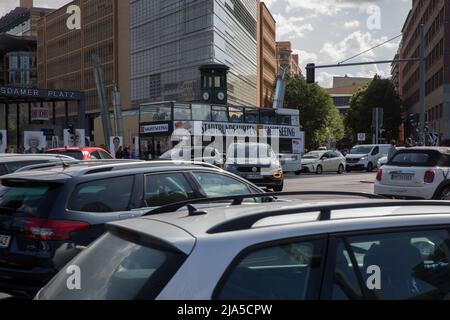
(14, 166)
(415, 158)
(375, 151)
(105, 155)
(284, 272)
(3, 169)
(95, 155)
(128, 271)
(218, 185)
(164, 189)
(393, 266)
(70, 153)
(108, 195)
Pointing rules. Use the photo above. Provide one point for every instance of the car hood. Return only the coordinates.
(309, 161)
(353, 156)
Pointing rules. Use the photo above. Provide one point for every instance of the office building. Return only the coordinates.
(267, 60)
(65, 56)
(434, 14)
(170, 40)
(286, 59)
(343, 89)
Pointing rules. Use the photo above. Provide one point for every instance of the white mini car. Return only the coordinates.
(416, 173)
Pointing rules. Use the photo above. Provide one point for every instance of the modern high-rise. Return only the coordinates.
(267, 59)
(286, 59)
(171, 39)
(65, 56)
(434, 14)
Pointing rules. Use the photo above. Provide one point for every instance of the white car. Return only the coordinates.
(417, 173)
(291, 162)
(365, 157)
(321, 161)
(382, 162)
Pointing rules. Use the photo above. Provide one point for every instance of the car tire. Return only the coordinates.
(297, 173)
(370, 167)
(444, 194)
(348, 170)
(278, 188)
(341, 169)
(319, 169)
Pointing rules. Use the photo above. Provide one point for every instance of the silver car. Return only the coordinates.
(321, 161)
(370, 249)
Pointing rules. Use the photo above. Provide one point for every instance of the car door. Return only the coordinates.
(389, 265)
(284, 270)
(327, 161)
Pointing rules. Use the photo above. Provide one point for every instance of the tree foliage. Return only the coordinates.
(319, 118)
(379, 93)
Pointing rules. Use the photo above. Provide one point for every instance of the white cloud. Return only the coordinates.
(292, 27)
(352, 24)
(326, 7)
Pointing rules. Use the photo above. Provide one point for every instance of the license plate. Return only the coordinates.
(402, 177)
(254, 176)
(4, 241)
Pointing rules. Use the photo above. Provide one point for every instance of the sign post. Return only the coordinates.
(361, 137)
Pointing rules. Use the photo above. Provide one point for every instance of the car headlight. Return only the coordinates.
(364, 158)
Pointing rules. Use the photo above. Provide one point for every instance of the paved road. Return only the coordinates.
(353, 182)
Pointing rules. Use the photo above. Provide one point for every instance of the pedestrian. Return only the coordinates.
(409, 143)
(392, 150)
(126, 153)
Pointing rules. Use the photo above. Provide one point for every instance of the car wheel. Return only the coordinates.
(341, 169)
(278, 188)
(348, 170)
(370, 167)
(444, 194)
(297, 173)
(319, 170)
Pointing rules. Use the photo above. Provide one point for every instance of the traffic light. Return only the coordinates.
(311, 73)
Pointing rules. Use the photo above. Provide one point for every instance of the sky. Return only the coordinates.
(325, 31)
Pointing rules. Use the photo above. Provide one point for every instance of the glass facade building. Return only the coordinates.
(170, 39)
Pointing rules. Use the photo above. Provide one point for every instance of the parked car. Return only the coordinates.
(48, 214)
(85, 154)
(382, 162)
(257, 163)
(290, 163)
(10, 163)
(365, 157)
(202, 154)
(323, 161)
(301, 251)
(420, 173)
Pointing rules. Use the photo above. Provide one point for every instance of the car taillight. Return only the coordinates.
(52, 230)
(429, 176)
(379, 174)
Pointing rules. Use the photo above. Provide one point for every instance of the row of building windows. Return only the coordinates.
(436, 81)
(435, 54)
(436, 113)
(434, 29)
(422, 20)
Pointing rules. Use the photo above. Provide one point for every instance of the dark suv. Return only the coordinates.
(47, 215)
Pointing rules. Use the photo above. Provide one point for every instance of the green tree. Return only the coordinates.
(319, 118)
(379, 93)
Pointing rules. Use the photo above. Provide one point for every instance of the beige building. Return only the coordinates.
(64, 56)
(267, 60)
(343, 89)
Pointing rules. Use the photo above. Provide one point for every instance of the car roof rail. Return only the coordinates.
(238, 199)
(247, 222)
(67, 163)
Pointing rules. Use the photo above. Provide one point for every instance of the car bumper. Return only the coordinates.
(267, 182)
(308, 168)
(24, 282)
(426, 192)
(356, 166)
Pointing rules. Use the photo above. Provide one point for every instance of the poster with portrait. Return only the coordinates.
(74, 140)
(34, 142)
(3, 141)
(116, 147)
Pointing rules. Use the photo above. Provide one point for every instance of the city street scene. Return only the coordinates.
(193, 150)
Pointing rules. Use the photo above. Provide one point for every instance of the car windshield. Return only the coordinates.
(250, 151)
(128, 271)
(28, 198)
(415, 158)
(361, 150)
(312, 155)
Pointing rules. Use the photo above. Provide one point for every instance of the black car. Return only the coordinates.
(47, 215)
